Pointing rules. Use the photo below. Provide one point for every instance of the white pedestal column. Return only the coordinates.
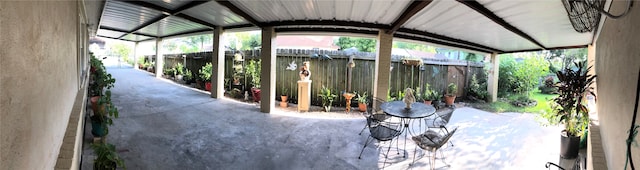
(159, 58)
(217, 60)
(382, 66)
(492, 81)
(135, 56)
(304, 95)
(268, 70)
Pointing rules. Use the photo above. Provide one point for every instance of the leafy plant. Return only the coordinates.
(429, 94)
(548, 87)
(205, 72)
(169, 72)
(100, 79)
(568, 107)
(284, 91)
(106, 157)
(362, 98)
(476, 89)
(179, 69)
(452, 89)
(253, 70)
(327, 98)
(188, 76)
(521, 77)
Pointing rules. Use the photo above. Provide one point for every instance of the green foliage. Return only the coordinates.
(244, 40)
(179, 68)
(327, 97)
(548, 87)
(188, 76)
(169, 72)
(452, 89)
(122, 50)
(476, 89)
(205, 72)
(106, 157)
(253, 70)
(99, 78)
(430, 94)
(362, 98)
(284, 91)
(568, 106)
(520, 77)
(362, 44)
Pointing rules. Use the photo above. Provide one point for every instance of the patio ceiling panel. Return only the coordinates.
(132, 37)
(169, 4)
(216, 14)
(458, 21)
(171, 26)
(544, 20)
(378, 12)
(123, 16)
(109, 33)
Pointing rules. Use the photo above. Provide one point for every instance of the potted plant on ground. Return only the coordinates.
(450, 95)
(253, 70)
(188, 77)
(283, 97)
(99, 80)
(327, 98)
(205, 75)
(179, 71)
(168, 73)
(103, 117)
(362, 101)
(106, 157)
(428, 96)
(569, 108)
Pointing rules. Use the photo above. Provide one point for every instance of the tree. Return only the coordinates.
(564, 57)
(414, 46)
(362, 44)
(121, 50)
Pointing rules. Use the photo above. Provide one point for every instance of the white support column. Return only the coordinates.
(268, 70)
(591, 60)
(383, 65)
(135, 55)
(217, 60)
(492, 80)
(159, 58)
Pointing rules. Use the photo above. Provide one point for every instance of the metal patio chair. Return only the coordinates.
(382, 131)
(375, 112)
(432, 141)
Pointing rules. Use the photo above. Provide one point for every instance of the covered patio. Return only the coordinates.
(188, 129)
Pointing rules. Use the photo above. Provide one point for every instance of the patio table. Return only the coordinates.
(417, 111)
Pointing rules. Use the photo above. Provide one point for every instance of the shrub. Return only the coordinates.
(476, 89)
(520, 77)
(548, 86)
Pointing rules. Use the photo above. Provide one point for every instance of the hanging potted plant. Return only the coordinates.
(253, 70)
(106, 157)
(327, 98)
(284, 97)
(569, 108)
(362, 102)
(205, 75)
(450, 95)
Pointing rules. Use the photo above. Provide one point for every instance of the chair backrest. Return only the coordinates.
(446, 138)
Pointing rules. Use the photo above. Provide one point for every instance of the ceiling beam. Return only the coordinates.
(550, 48)
(125, 31)
(239, 11)
(415, 7)
(188, 32)
(475, 5)
(239, 26)
(445, 38)
(429, 40)
(328, 23)
(196, 20)
(114, 38)
(152, 21)
(328, 30)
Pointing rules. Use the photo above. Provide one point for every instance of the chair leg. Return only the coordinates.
(432, 160)
(365, 145)
(365, 127)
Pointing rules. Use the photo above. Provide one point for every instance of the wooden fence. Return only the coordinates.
(438, 73)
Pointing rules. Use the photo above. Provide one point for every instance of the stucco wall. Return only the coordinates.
(617, 64)
(38, 80)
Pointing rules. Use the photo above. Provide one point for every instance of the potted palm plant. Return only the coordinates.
(106, 157)
(327, 98)
(362, 101)
(569, 108)
(283, 97)
(450, 95)
(205, 75)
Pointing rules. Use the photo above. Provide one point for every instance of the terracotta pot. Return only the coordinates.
(256, 94)
(362, 107)
(207, 86)
(94, 103)
(284, 101)
(449, 100)
(427, 102)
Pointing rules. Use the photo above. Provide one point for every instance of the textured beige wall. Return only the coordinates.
(617, 64)
(38, 80)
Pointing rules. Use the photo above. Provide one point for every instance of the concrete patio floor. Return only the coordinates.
(164, 125)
